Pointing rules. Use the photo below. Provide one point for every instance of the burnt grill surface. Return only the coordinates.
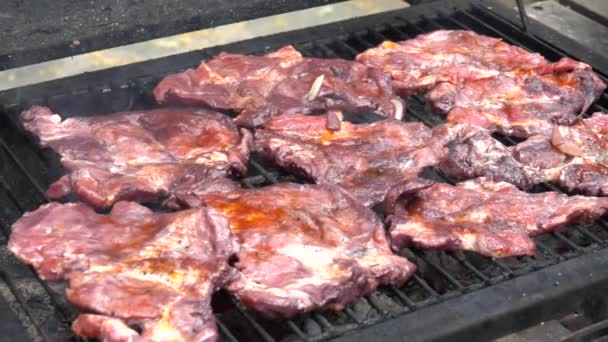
(26, 171)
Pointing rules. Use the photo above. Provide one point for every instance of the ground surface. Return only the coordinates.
(33, 31)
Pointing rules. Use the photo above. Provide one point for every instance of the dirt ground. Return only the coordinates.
(33, 31)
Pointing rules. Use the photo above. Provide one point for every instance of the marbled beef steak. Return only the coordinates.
(142, 155)
(306, 247)
(261, 87)
(131, 267)
(489, 218)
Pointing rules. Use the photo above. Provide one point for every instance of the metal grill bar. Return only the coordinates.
(567, 241)
(31, 316)
(225, 331)
(590, 235)
(442, 271)
(425, 286)
(297, 330)
(351, 314)
(404, 298)
(24, 170)
(462, 259)
(265, 335)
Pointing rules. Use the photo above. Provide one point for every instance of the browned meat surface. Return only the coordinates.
(261, 87)
(493, 219)
(131, 267)
(365, 159)
(524, 104)
(140, 156)
(574, 157)
(473, 153)
(306, 247)
(486, 82)
(421, 63)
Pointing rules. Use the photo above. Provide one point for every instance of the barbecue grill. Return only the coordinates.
(452, 295)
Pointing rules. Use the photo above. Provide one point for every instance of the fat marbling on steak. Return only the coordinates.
(141, 155)
(305, 247)
(492, 219)
(261, 87)
(131, 267)
(454, 57)
(365, 159)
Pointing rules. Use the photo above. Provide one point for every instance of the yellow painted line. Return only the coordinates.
(192, 41)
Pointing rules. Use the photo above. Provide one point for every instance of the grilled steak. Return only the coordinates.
(484, 81)
(365, 159)
(524, 104)
(574, 158)
(131, 267)
(421, 63)
(493, 219)
(473, 152)
(306, 247)
(261, 87)
(139, 156)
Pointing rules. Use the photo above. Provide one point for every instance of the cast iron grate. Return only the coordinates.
(26, 170)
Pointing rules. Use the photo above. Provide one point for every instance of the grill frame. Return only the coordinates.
(454, 304)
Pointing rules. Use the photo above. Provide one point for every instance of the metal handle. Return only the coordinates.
(522, 15)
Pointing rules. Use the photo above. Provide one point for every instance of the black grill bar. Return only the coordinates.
(297, 330)
(425, 286)
(58, 302)
(24, 170)
(22, 302)
(503, 266)
(404, 298)
(225, 331)
(567, 241)
(265, 335)
(589, 234)
(351, 314)
(461, 258)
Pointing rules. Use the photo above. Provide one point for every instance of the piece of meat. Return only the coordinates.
(493, 219)
(473, 153)
(261, 87)
(484, 81)
(306, 247)
(454, 57)
(131, 267)
(523, 104)
(573, 157)
(365, 159)
(140, 156)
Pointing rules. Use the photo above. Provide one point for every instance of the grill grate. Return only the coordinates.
(27, 171)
